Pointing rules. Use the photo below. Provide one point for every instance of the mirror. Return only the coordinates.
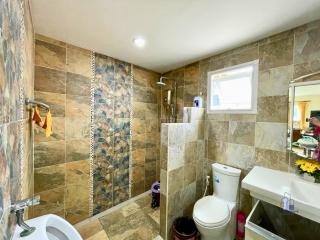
(304, 119)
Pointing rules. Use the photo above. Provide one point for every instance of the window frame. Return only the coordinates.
(254, 93)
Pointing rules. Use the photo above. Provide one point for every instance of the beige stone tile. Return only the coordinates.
(89, 229)
(241, 133)
(77, 84)
(276, 54)
(79, 61)
(77, 128)
(138, 141)
(241, 156)
(49, 40)
(129, 209)
(175, 180)
(56, 101)
(138, 174)
(192, 74)
(52, 201)
(77, 149)
(241, 117)
(271, 136)
(175, 156)
(50, 177)
(78, 106)
(139, 110)
(191, 152)
(217, 130)
(306, 50)
(270, 159)
(77, 173)
(138, 157)
(49, 55)
(189, 173)
(49, 80)
(99, 236)
(49, 153)
(137, 188)
(275, 81)
(273, 109)
(217, 151)
(163, 157)
(138, 126)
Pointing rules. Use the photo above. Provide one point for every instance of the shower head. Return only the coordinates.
(160, 82)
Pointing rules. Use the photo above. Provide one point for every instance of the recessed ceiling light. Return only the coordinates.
(139, 42)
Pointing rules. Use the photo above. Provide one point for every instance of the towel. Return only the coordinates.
(36, 116)
(48, 124)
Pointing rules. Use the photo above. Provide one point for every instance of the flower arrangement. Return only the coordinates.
(309, 167)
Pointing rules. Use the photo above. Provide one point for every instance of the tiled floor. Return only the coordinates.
(134, 221)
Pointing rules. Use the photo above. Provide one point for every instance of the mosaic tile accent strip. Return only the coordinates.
(112, 132)
(92, 91)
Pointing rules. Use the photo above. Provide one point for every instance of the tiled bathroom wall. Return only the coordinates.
(182, 164)
(246, 140)
(61, 162)
(145, 130)
(125, 115)
(16, 72)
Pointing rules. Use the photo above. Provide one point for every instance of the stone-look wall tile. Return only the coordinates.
(77, 84)
(163, 216)
(49, 153)
(77, 128)
(78, 107)
(269, 109)
(272, 136)
(175, 180)
(49, 80)
(77, 149)
(138, 157)
(241, 133)
(192, 74)
(138, 174)
(175, 157)
(50, 201)
(49, 55)
(241, 156)
(217, 151)
(275, 81)
(79, 61)
(271, 159)
(176, 134)
(191, 153)
(56, 101)
(217, 131)
(163, 157)
(138, 126)
(306, 51)
(76, 203)
(276, 54)
(46, 178)
(44, 38)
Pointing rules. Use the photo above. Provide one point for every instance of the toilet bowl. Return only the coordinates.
(215, 215)
(49, 227)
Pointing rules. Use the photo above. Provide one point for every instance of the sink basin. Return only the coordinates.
(49, 227)
(270, 186)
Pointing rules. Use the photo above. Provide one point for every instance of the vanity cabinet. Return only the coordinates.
(269, 222)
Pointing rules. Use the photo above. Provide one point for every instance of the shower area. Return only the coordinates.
(106, 131)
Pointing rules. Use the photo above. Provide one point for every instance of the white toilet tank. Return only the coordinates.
(225, 181)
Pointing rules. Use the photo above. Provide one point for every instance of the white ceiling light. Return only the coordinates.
(139, 42)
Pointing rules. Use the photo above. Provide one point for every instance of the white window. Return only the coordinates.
(233, 89)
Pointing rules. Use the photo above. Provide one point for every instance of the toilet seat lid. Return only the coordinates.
(211, 212)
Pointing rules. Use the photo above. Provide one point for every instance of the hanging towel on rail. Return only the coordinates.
(47, 125)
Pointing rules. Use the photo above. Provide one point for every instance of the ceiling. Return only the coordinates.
(177, 32)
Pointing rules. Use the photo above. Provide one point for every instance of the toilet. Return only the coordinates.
(215, 216)
(49, 227)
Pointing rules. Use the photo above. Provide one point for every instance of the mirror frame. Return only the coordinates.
(292, 88)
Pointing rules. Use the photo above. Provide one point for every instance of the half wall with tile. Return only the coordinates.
(182, 176)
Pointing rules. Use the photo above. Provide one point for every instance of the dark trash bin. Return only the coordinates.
(184, 229)
(155, 191)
